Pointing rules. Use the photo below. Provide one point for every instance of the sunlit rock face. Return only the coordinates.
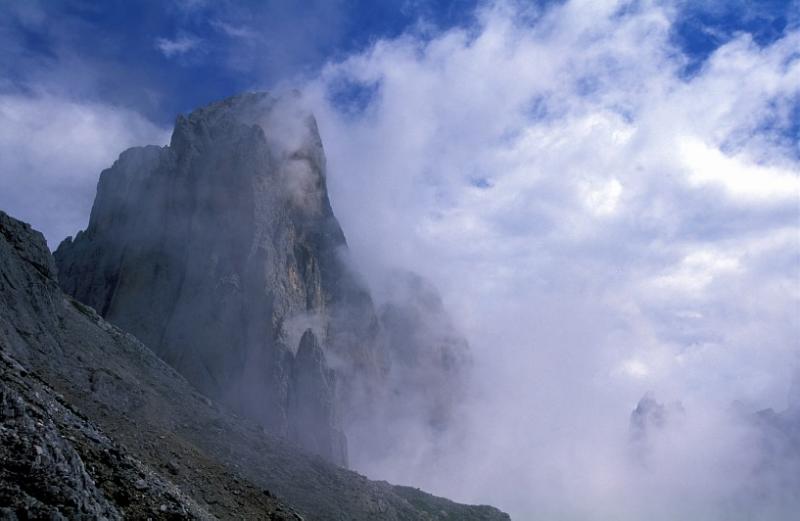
(219, 251)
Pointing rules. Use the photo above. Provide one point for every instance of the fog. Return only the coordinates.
(601, 225)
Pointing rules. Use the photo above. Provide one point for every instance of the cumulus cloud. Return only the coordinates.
(52, 150)
(600, 224)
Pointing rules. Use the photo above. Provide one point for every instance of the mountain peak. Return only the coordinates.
(209, 248)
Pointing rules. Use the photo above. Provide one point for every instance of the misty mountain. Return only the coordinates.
(766, 445)
(219, 251)
(776, 473)
(95, 425)
(429, 356)
(430, 365)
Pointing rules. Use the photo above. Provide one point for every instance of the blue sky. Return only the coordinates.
(606, 192)
(221, 48)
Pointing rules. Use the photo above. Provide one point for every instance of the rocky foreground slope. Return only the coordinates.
(95, 425)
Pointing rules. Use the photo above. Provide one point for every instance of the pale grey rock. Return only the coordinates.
(54, 462)
(217, 249)
(42, 474)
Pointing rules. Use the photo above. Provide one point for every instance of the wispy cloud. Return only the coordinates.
(241, 31)
(178, 46)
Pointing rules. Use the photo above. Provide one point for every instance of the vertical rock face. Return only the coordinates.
(218, 251)
(311, 408)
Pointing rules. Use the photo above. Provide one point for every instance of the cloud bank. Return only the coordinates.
(601, 224)
(604, 215)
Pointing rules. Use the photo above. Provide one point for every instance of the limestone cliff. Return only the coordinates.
(219, 250)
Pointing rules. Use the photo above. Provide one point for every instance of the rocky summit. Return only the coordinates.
(94, 425)
(222, 254)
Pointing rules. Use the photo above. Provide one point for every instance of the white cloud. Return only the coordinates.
(602, 199)
(739, 177)
(632, 230)
(696, 271)
(241, 32)
(177, 46)
(52, 150)
(635, 368)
